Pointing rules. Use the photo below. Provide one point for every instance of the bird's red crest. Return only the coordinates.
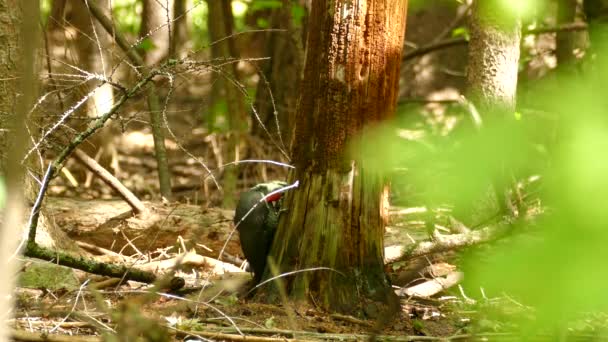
(274, 197)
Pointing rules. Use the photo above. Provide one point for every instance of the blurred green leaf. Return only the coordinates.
(127, 15)
(262, 23)
(270, 323)
(259, 5)
(556, 263)
(461, 32)
(298, 13)
(146, 44)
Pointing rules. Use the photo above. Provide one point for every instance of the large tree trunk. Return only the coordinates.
(336, 218)
(18, 37)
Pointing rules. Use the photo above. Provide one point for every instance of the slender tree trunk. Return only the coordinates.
(221, 24)
(493, 57)
(596, 12)
(277, 92)
(565, 42)
(92, 46)
(336, 217)
(180, 27)
(495, 34)
(156, 26)
(164, 175)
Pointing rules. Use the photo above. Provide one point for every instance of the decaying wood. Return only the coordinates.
(442, 243)
(111, 225)
(188, 260)
(433, 286)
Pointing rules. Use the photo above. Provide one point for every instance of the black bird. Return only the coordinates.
(257, 226)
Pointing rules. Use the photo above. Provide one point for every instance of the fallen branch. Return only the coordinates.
(88, 265)
(190, 259)
(126, 194)
(432, 286)
(22, 335)
(443, 243)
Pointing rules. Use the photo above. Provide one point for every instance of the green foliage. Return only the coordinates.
(270, 323)
(262, 23)
(553, 262)
(217, 116)
(48, 276)
(298, 13)
(418, 326)
(192, 324)
(127, 15)
(559, 268)
(198, 14)
(146, 44)
(259, 5)
(45, 10)
(461, 31)
(230, 300)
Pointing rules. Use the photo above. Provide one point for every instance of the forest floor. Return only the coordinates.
(215, 304)
(68, 309)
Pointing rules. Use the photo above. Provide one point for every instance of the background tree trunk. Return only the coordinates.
(596, 12)
(156, 25)
(336, 217)
(221, 24)
(282, 75)
(493, 56)
(494, 49)
(92, 47)
(565, 42)
(180, 27)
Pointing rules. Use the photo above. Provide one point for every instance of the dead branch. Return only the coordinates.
(138, 207)
(431, 286)
(87, 265)
(443, 243)
(190, 259)
(22, 335)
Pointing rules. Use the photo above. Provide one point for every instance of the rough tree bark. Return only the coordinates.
(493, 56)
(495, 34)
(336, 218)
(18, 36)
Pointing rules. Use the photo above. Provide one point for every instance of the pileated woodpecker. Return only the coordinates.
(257, 226)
